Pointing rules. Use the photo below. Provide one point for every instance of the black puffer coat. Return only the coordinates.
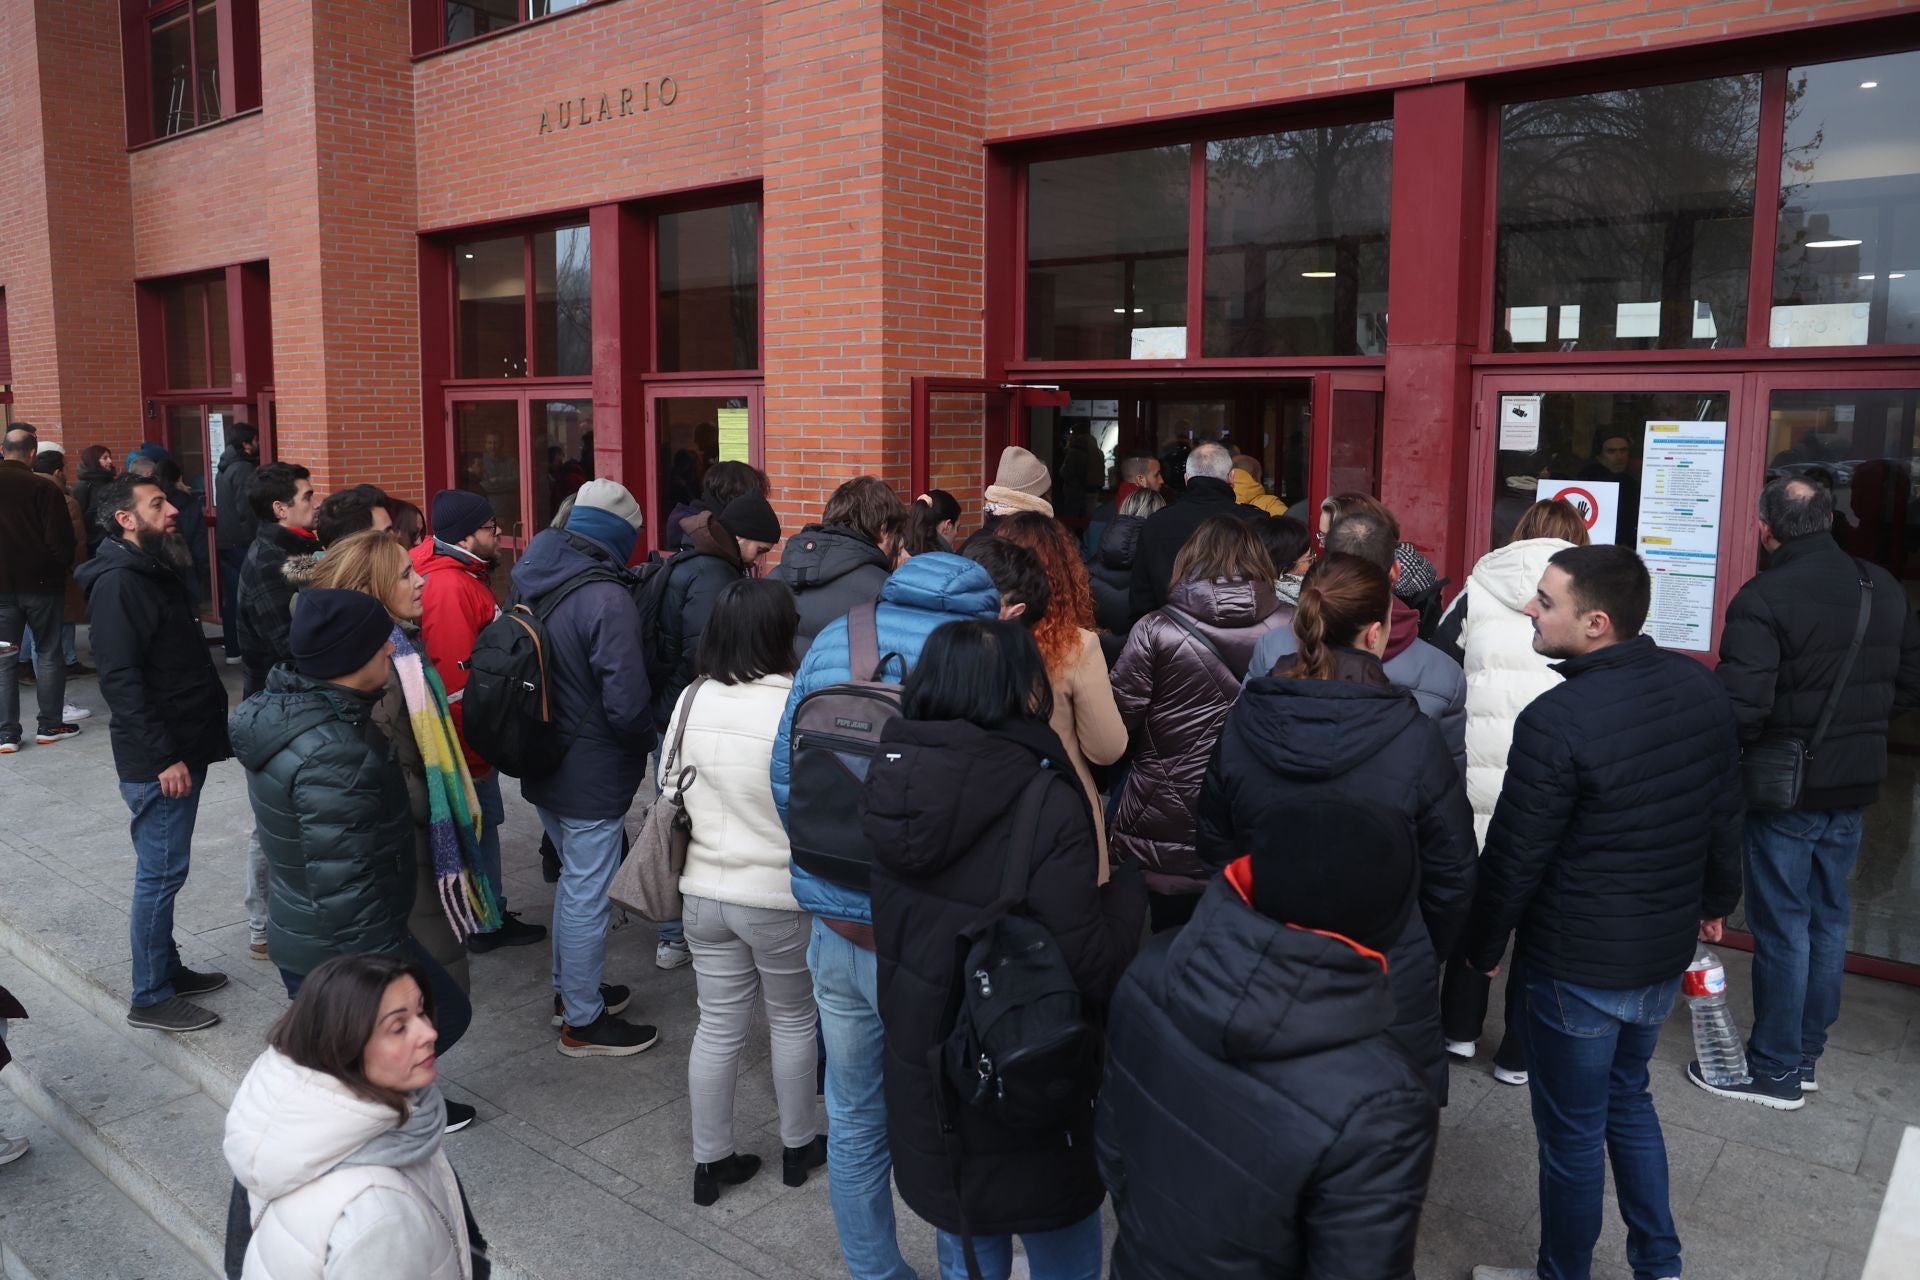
(1258, 1122)
(1174, 695)
(232, 500)
(1168, 530)
(831, 570)
(1363, 741)
(156, 672)
(330, 807)
(263, 602)
(1112, 574)
(87, 484)
(1786, 632)
(696, 576)
(1620, 823)
(939, 810)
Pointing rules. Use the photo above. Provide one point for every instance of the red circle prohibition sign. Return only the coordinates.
(1591, 514)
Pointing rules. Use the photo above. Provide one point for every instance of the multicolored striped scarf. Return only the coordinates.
(453, 808)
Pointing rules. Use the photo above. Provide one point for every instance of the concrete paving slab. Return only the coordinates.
(1781, 1199)
(1825, 1134)
(97, 1235)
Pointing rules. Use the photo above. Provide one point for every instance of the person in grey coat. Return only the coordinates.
(1436, 681)
(842, 562)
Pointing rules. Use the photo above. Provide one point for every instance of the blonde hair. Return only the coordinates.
(370, 561)
(1553, 518)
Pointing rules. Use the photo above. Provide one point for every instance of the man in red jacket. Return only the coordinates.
(458, 599)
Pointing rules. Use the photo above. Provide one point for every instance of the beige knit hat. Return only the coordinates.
(1021, 471)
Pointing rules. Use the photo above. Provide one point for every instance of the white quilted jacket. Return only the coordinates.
(1504, 674)
(738, 851)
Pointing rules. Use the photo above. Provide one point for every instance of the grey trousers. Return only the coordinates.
(19, 613)
(738, 951)
(256, 888)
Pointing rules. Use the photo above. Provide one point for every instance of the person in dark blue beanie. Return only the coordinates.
(457, 513)
(602, 705)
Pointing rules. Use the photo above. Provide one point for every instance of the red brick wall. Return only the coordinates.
(202, 200)
(1091, 62)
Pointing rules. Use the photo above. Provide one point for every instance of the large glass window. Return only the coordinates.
(1626, 218)
(1107, 256)
(1297, 242)
(709, 300)
(1846, 267)
(491, 317)
(199, 350)
(466, 19)
(173, 58)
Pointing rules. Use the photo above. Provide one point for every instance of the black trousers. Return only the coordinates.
(1464, 996)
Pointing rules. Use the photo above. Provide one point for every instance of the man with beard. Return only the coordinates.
(169, 723)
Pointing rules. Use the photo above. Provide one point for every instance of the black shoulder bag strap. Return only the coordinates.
(1025, 834)
(1846, 663)
(1192, 628)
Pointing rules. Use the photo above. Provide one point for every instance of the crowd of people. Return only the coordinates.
(1166, 864)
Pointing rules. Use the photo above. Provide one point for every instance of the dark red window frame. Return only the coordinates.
(238, 63)
(430, 24)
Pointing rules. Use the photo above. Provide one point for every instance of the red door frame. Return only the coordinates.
(520, 397)
(1001, 424)
(648, 493)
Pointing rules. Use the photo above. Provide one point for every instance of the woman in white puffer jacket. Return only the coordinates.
(335, 1133)
(1492, 639)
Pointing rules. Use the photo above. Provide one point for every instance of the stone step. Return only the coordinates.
(63, 1219)
(150, 1136)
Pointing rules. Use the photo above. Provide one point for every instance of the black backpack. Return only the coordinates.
(1020, 1048)
(649, 583)
(834, 738)
(506, 717)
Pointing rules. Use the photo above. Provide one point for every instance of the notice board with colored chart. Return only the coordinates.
(1679, 533)
(736, 442)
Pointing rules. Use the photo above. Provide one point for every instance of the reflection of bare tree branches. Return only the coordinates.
(1647, 190)
(743, 279)
(1323, 174)
(573, 299)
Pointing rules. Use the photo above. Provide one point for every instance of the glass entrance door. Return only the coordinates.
(691, 427)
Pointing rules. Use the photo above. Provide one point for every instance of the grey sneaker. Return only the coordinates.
(1504, 1273)
(188, 982)
(172, 1015)
(671, 955)
(11, 1149)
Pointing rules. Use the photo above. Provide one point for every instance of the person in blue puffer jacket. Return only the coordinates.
(922, 594)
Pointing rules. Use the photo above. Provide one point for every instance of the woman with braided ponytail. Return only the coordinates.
(1324, 739)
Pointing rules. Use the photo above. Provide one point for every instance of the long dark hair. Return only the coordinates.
(334, 1017)
(1341, 596)
(987, 673)
(750, 633)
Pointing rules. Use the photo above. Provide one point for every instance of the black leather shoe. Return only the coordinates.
(796, 1161)
(511, 933)
(731, 1172)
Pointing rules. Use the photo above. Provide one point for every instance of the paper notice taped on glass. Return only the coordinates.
(1679, 531)
(216, 438)
(735, 441)
(1520, 423)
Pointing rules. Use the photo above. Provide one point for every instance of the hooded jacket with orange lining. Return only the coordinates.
(1257, 1119)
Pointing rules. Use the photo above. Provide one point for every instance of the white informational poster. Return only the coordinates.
(1679, 531)
(1163, 343)
(1597, 501)
(1520, 423)
(216, 438)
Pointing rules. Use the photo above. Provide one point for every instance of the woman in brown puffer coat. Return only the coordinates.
(1175, 682)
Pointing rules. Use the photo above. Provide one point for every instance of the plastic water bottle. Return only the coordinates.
(1716, 1041)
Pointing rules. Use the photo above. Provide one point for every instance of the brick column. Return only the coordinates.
(337, 85)
(873, 238)
(66, 256)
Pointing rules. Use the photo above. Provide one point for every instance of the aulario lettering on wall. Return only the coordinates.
(612, 104)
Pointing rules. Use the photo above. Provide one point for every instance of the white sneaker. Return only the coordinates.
(71, 714)
(1463, 1048)
(1504, 1076)
(11, 1149)
(671, 955)
(1504, 1273)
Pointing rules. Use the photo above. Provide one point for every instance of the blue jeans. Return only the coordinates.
(1797, 868)
(162, 838)
(1067, 1253)
(452, 1010)
(1587, 1053)
(231, 558)
(493, 812)
(589, 855)
(846, 986)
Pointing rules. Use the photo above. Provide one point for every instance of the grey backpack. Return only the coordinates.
(835, 736)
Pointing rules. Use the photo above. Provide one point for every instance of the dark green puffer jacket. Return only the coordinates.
(331, 808)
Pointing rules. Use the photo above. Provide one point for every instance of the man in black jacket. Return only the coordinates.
(1787, 633)
(169, 723)
(1209, 492)
(281, 495)
(234, 522)
(1615, 844)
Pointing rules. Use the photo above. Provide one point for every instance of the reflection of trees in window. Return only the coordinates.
(1642, 197)
(1297, 241)
(572, 302)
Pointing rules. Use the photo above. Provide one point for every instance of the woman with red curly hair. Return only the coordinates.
(1084, 712)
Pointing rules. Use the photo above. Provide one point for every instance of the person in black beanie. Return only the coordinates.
(330, 803)
(1251, 1077)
